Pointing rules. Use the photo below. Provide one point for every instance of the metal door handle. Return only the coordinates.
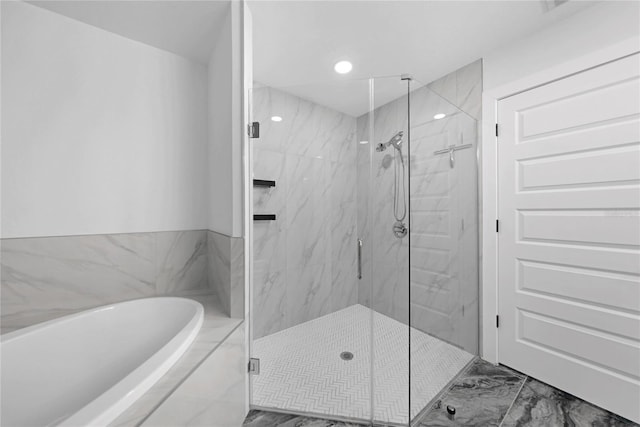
(359, 258)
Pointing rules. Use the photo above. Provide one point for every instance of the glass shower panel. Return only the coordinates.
(311, 329)
(388, 245)
(443, 245)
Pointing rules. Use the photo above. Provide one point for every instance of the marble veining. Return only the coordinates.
(48, 277)
(257, 418)
(305, 261)
(490, 395)
(539, 404)
(481, 396)
(213, 394)
(226, 271)
(181, 262)
(441, 266)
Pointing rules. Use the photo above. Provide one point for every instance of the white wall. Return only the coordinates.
(592, 29)
(226, 116)
(101, 134)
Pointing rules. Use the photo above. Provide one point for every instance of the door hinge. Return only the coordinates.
(254, 366)
(497, 321)
(253, 130)
(497, 225)
(497, 129)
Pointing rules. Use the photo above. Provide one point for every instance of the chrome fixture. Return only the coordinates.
(395, 142)
(346, 355)
(451, 150)
(399, 227)
(359, 258)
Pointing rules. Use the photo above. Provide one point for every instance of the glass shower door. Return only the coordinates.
(311, 327)
(443, 247)
(386, 214)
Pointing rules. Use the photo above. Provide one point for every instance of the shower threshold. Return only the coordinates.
(303, 369)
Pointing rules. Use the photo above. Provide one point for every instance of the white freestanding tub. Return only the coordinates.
(87, 368)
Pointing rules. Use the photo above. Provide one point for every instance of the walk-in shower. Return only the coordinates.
(354, 319)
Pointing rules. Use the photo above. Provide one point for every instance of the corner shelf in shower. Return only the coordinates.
(264, 217)
(263, 183)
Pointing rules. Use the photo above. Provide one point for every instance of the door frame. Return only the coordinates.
(489, 280)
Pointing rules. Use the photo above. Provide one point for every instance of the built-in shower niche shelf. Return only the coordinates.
(263, 183)
(264, 217)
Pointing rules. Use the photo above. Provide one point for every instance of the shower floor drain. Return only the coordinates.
(346, 355)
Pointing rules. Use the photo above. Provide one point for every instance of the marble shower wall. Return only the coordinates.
(305, 261)
(226, 271)
(443, 257)
(48, 277)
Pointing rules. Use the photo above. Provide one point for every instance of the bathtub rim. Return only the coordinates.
(116, 399)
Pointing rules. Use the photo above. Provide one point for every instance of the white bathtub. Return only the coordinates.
(87, 368)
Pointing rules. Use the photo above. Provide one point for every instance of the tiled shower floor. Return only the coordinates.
(301, 368)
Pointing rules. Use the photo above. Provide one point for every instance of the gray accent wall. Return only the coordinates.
(47, 277)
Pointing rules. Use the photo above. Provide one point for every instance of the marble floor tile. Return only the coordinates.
(213, 395)
(539, 404)
(481, 396)
(257, 418)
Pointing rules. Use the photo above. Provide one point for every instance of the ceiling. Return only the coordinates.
(187, 28)
(296, 43)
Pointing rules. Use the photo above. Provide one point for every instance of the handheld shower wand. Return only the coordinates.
(399, 227)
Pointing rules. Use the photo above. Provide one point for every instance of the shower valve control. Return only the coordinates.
(400, 229)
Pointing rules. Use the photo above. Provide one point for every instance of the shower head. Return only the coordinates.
(395, 142)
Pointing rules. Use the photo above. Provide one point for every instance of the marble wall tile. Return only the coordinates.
(219, 268)
(44, 278)
(48, 277)
(308, 293)
(237, 308)
(269, 300)
(446, 87)
(469, 89)
(181, 262)
(214, 394)
(305, 261)
(443, 222)
(307, 211)
(226, 271)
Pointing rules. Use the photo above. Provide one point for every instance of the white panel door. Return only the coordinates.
(569, 240)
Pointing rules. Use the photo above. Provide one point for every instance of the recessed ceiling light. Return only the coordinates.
(364, 142)
(440, 116)
(276, 118)
(343, 67)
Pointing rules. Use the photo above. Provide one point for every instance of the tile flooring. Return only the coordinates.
(301, 369)
(484, 395)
